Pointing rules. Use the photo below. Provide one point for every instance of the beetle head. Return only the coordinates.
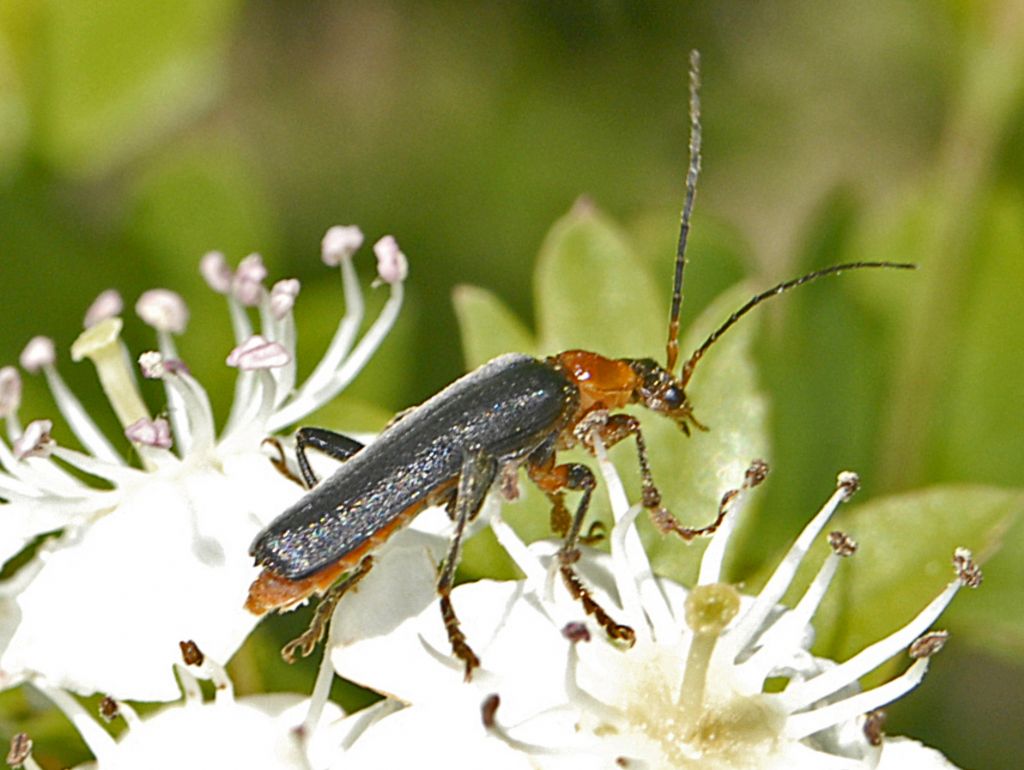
(658, 390)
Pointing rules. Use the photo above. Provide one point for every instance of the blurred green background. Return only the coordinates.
(136, 136)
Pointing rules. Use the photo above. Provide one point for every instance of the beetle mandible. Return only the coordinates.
(516, 411)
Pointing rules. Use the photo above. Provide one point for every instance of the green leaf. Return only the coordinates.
(488, 328)
(825, 365)
(991, 617)
(106, 78)
(350, 414)
(694, 473)
(978, 436)
(204, 196)
(715, 256)
(904, 559)
(14, 119)
(593, 292)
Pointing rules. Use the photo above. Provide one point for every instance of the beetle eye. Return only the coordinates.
(673, 397)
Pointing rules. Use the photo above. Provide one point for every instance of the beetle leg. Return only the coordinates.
(305, 643)
(280, 463)
(596, 532)
(551, 479)
(542, 472)
(475, 479)
(330, 443)
(620, 426)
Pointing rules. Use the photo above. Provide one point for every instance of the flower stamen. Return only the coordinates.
(102, 345)
(215, 271)
(712, 560)
(709, 610)
(99, 741)
(10, 399)
(39, 354)
(194, 427)
(150, 433)
(773, 591)
(35, 441)
(20, 753)
(787, 631)
(801, 695)
(801, 725)
(338, 368)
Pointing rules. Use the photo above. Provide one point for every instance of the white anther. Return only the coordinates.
(282, 297)
(152, 365)
(107, 305)
(247, 282)
(340, 243)
(154, 433)
(216, 272)
(164, 310)
(392, 266)
(39, 352)
(10, 391)
(257, 353)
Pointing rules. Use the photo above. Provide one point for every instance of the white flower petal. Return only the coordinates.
(422, 737)
(171, 562)
(681, 700)
(374, 637)
(147, 556)
(21, 522)
(256, 733)
(906, 753)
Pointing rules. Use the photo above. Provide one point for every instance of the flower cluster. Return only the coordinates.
(693, 691)
(149, 554)
(145, 555)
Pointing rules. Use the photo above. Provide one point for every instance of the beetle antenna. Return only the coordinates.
(772, 292)
(672, 348)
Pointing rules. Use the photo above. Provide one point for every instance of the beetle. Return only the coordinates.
(514, 412)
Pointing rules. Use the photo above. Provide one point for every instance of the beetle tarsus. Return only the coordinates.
(280, 463)
(596, 533)
(332, 444)
(578, 478)
(460, 648)
(582, 594)
(667, 523)
(305, 643)
(478, 473)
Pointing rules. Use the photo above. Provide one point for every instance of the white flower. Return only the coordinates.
(259, 732)
(692, 692)
(149, 553)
